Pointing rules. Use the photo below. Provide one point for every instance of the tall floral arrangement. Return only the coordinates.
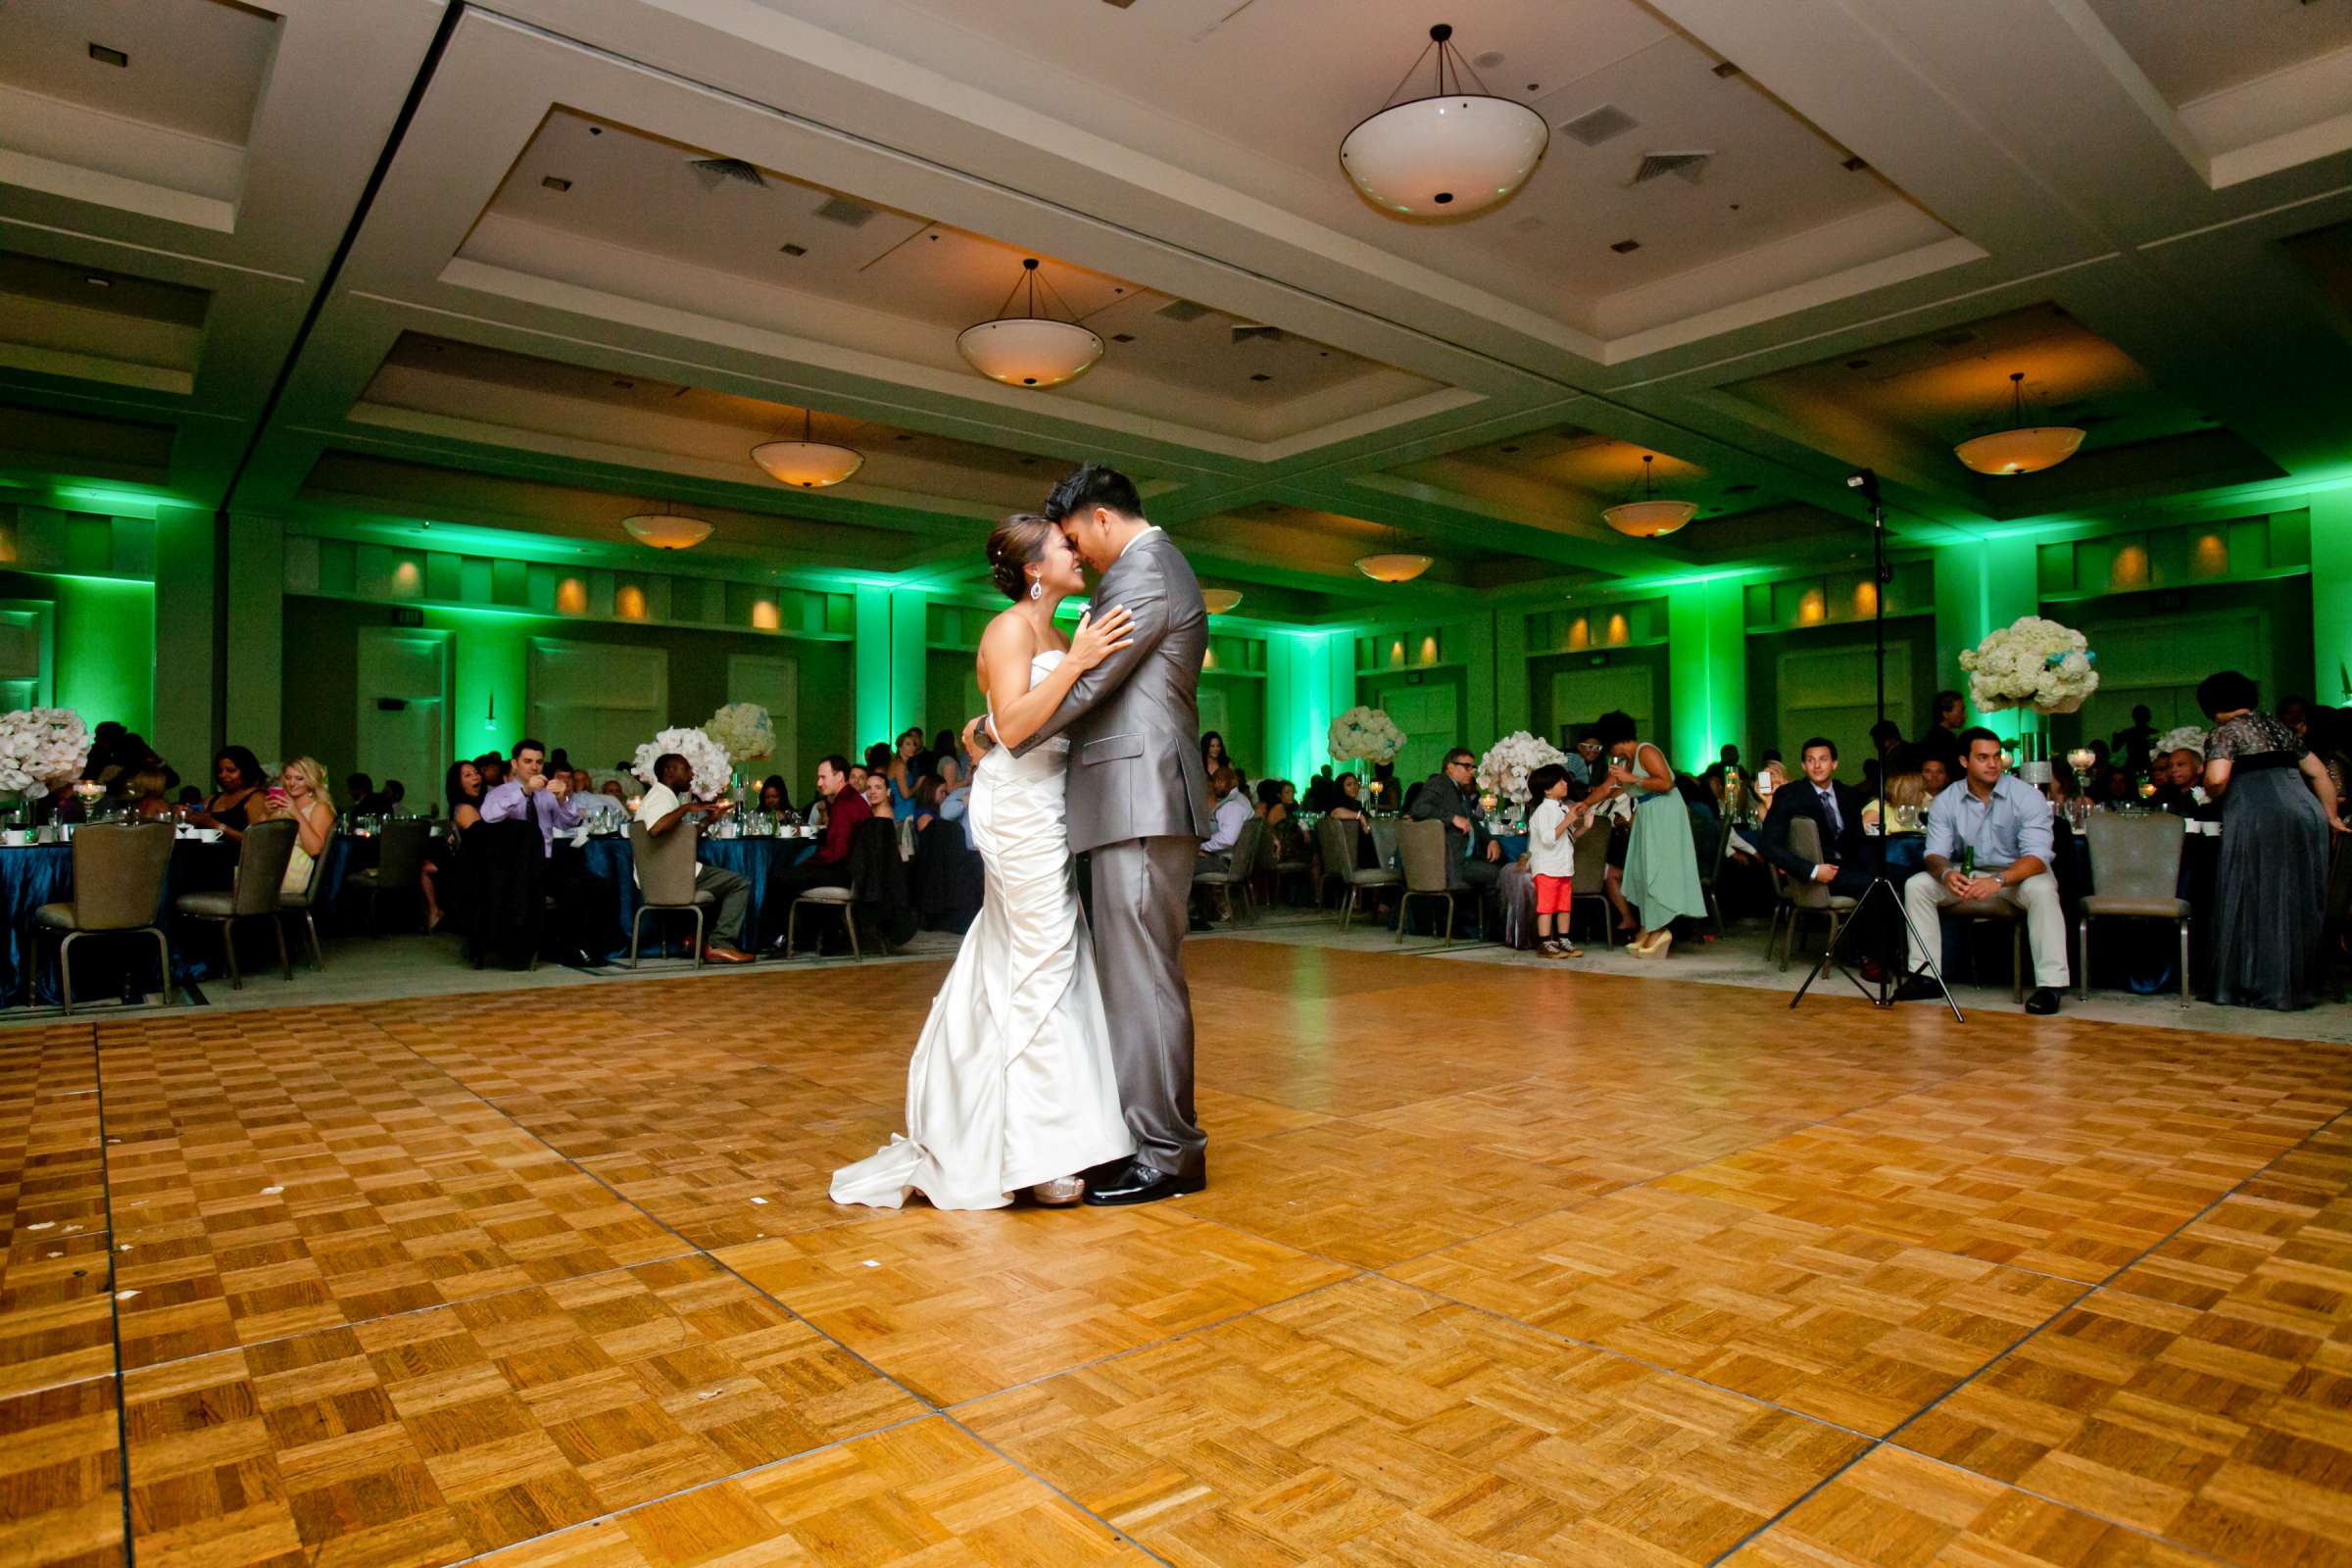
(2032, 662)
(1503, 770)
(1365, 735)
(744, 730)
(2180, 738)
(41, 748)
(708, 758)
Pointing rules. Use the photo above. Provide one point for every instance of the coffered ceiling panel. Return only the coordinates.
(2189, 51)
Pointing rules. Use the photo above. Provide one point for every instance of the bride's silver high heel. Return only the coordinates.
(1059, 1193)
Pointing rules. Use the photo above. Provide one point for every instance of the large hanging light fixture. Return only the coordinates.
(1221, 599)
(1449, 155)
(806, 463)
(2022, 448)
(1029, 349)
(1646, 516)
(1393, 566)
(667, 530)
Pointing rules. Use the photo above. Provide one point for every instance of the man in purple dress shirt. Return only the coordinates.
(584, 904)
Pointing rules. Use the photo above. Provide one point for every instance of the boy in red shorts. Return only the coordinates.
(1551, 856)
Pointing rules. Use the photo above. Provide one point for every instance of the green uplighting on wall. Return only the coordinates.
(105, 650)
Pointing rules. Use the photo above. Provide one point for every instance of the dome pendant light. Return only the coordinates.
(667, 530)
(1029, 349)
(1221, 601)
(806, 463)
(1392, 566)
(1449, 155)
(2022, 448)
(1649, 518)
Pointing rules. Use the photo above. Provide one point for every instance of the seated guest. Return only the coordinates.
(364, 799)
(462, 790)
(237, 778)
(305, 800)
(395, 793)
(857, 775)
(1225, 830)
(881, 800)
(925, 802)
(191, 797)
(1473, 859)
(143, 793)
(667, 803)
(582, 903)
(2002, 825)
(830, 867)
(1837, 811)
(775, 796)
(954, 794)
(1933, 775)
(493, 769)
(1348, 805)
(2178, 776)
(1585, 766)
(1278, 804)
(604, 812)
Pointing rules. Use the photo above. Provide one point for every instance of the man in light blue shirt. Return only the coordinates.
(954, 798)
(2002, 826)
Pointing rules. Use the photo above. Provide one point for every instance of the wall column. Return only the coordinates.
(892, 644)
(1514, 699)
(256, 637)
(1706, 654)
(187, 724)
(2331, 599)
(1481, 710)
(1980, 586)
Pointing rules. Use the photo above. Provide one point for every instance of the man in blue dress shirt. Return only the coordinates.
(2002, 826)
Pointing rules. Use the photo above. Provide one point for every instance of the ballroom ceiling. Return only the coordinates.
(363, 269)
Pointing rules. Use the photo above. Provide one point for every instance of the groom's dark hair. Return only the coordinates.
(1092, 485)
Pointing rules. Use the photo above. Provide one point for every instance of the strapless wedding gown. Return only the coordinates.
(1011, 1081)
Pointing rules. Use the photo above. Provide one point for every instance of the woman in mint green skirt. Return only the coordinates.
(1661, 866)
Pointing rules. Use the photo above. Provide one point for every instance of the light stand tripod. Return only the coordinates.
(1889, 976)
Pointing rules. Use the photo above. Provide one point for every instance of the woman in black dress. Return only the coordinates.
(2279, 808)
(237, 774)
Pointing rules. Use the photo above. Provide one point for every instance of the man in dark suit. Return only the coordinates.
(1835, 810)
(1473, 859)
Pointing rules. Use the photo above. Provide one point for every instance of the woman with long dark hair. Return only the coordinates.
(237, 787)
(2278, 806)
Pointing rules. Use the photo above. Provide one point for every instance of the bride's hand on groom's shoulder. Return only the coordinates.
(1096, 639)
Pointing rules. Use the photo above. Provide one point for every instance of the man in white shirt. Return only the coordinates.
(1233, 809)
(664, 805)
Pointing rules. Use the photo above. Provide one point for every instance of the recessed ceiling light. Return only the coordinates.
(1726, 69)
(1854, 166)
(1026, 462)
(794, 250)
(551, 182)
(108, 57)
(1626, 247)
(1261, 377)
(96, 281)
(1510, 448)
(626, 386)
(1122, 337)
(596, 131)
(1858, 364)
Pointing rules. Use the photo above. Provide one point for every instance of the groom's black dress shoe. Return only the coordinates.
(1133, 1182)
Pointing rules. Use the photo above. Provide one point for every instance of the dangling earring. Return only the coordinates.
(1036, 589)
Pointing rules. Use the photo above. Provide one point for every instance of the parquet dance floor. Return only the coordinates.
(1497, 1265)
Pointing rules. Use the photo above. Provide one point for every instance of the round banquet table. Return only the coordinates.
(35, 874)
(757, 860)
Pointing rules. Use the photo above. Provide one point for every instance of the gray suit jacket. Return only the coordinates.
(1134, 720)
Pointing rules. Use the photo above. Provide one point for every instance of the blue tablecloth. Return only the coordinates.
(755, 859)
(43, 873)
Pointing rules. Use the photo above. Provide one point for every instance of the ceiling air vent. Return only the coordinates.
(1727, 71)
(1953, 340)
(1251, 332)
(1598, 126)
(1688, 167)
(845, 212)
(716, 171)
(1181, 311)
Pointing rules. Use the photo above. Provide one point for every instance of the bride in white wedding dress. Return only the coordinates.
(1011, 1086)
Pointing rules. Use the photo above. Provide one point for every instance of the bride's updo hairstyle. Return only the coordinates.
(1014, 543)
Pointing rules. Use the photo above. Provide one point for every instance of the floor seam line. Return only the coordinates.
(114, 1297)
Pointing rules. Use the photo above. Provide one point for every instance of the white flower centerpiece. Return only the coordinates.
(743, 730)
(1365, 735)
(2180, 738)
(708, 758)
(2032, 662)
(41, 748)
(1503, 770)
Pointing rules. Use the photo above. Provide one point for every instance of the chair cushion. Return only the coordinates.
(366, 878)
(1986, 909)
(816, 896)
(1374, 879)
(57, 917)
(212, 905)
(2117, 903)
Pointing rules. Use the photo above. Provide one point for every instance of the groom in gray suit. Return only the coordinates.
(1137, 801)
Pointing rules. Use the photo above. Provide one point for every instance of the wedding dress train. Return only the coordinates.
(1011, 1083)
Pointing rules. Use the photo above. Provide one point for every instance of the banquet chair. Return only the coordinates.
(303, 901)
(1801, 898)
(399, 864)
(261, 867)
(2135, 864)
(1233, 876)
(1710, 879)
(1270, 862)
(844, 899)
(1979, 913)
(665, 880)
(1592, 880)
(119, 874)
(1421, 848)
(1339, 841)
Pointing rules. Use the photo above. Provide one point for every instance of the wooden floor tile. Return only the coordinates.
(429, 1436)
(964, 1304)
(61, 1477)
(1898, 1510)
(56, 1318)
(2206, 1395)
(920, 1494)
(1835, 1323)
(1372, 1422)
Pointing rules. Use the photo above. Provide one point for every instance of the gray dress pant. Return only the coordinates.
(1142, 888)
